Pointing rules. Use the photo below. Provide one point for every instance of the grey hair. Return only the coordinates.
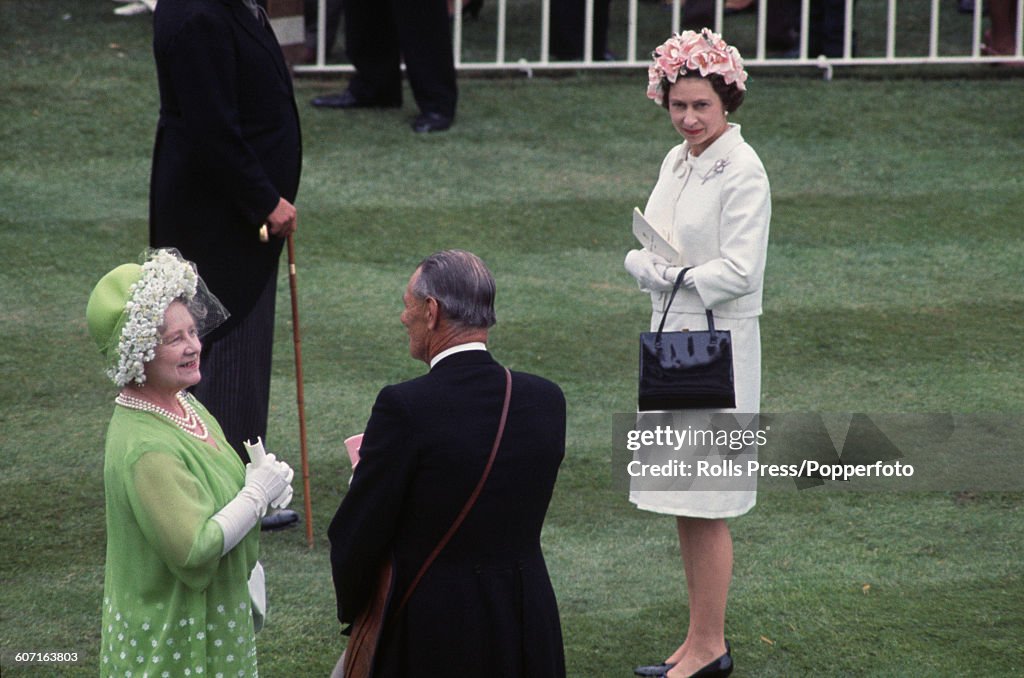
(461, 284)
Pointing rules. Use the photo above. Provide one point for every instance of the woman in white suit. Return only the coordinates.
(712, 205)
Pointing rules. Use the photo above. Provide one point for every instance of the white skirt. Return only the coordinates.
(718, 503)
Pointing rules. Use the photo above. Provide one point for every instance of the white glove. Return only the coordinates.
(269, 482)
(650, 270)
(260, 457)
(285, 497)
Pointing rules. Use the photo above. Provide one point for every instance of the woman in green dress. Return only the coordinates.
(180, 506)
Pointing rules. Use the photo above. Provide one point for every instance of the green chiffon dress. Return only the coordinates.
(172, 604)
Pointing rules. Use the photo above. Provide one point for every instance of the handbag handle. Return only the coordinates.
(664, 316)
(469, 502)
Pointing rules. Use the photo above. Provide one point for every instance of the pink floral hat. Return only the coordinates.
(705, 52)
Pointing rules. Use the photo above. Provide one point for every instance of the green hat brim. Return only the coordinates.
(105, 313)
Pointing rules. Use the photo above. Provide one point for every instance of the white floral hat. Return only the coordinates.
(127, 306)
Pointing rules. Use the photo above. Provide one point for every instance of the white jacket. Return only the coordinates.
(715, 209)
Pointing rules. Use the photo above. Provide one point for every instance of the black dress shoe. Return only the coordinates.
(279, 520)
(653, 669)
(720, 668)
(431, 122)
(347, 100)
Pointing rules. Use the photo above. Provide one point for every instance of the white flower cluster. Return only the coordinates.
(165, 278)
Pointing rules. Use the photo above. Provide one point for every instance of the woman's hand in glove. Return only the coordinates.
(650, 270)
(266, 484)
(269, 481)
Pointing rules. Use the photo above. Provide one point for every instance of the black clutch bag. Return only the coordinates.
(686, 370)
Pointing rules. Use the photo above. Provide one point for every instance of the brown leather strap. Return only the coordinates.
(472, 498)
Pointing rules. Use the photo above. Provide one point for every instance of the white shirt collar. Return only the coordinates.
(471, 346)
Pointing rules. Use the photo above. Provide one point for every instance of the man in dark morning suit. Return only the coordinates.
(227, 159)
(382, 34)
(485, 607)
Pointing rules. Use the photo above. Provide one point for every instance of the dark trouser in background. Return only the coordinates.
(235, 367)
(825, 24)
(568, 31)
(381, 34)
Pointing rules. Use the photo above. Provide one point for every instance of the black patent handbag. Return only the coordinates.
(688, 369)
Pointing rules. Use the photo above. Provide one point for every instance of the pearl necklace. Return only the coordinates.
(191, 423)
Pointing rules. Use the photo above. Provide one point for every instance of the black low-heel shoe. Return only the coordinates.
(653, 670)
(719, 668)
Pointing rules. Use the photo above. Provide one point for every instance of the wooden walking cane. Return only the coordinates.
(299, 398)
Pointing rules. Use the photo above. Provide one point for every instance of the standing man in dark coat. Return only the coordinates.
(226, 161)
(485, 607)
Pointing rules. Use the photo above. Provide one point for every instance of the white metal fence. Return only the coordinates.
(889, 32)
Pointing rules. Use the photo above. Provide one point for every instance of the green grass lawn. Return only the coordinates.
(894, 284)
